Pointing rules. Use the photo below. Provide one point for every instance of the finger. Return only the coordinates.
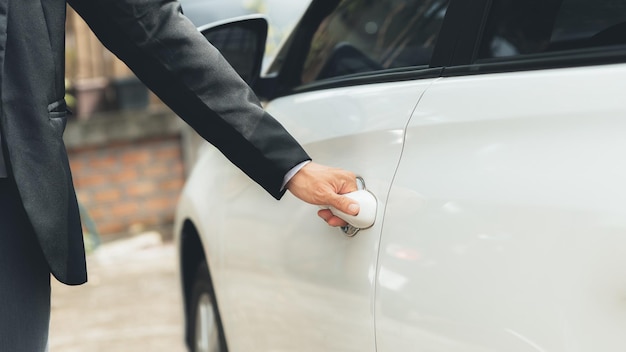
(330, 219)
(325, 214)
(344, 204)
(336, 222)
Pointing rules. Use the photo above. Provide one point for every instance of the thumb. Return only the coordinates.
(344, 204)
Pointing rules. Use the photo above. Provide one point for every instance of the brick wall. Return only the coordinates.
(129, 184)
(128, 169)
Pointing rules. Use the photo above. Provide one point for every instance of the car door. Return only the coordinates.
(505, 224)
(284, 280)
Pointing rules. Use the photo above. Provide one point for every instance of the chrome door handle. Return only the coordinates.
(367, 213)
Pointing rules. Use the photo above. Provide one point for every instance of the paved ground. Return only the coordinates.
(131, 302)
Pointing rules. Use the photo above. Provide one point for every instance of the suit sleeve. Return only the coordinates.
(165, 51)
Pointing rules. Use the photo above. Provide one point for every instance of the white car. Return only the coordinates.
(492, 135)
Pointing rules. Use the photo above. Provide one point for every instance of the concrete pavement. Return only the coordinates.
(131, 303)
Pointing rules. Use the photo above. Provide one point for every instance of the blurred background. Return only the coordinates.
(130, 155)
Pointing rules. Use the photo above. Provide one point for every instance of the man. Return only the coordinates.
(40, 231)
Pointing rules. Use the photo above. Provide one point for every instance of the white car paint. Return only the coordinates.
(502, 230)
(302, 286)
(500, 223)
(505, 228)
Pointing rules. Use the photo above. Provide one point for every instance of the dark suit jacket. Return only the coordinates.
(165, 51)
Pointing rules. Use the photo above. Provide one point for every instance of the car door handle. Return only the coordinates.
(367, 213)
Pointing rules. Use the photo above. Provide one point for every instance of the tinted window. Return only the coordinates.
(371, 35)
(521, 27)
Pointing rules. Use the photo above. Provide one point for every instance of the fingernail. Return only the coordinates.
(353, 208)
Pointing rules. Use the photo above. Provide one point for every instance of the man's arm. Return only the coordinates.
(164, 49)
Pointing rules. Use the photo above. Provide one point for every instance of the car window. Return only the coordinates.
(526, 27)
(361, 36)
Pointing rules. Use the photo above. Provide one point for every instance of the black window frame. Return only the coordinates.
(465, 57)
(285, 75)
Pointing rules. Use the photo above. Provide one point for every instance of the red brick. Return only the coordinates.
(159, 204)
(97, 213)
(107, 162)
(178, 169)
(108, 195)
(90, 181)
(128, 210)
(169, 153)
(172, 184)
(77, 165)
(125, 175)
(156, 170)
(137, 156)
(110, 227)
(141, 189)
(128, 183)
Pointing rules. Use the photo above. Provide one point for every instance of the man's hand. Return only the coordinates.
(322, 185)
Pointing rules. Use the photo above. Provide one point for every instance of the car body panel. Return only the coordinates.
(506, 223)
(302, 286)
(500, 219)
